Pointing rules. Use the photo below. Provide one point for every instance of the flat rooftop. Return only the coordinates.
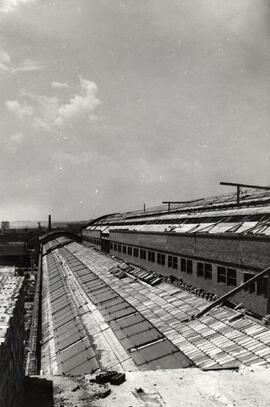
(9, 290)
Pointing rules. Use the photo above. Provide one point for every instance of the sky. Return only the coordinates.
(109, 104)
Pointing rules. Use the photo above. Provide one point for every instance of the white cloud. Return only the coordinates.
(14, 143)
(27, 65)
(83, 104)
(17, 138)
(8, 67)
(51, 114)
(57, 85)
(4, 61)
(19, 109)
(9, 6)
(47, 112)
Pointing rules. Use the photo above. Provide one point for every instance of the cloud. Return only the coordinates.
(46, 111)
(8, 67)
(57, 85)
(50, 113)
(27, 65)
(9, 6)
(5, 61)
(83, 104)
(17, 138)
(19, 109)
(14, 143)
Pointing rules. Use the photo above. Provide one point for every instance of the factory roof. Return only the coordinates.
(213, 215)
(154, 322)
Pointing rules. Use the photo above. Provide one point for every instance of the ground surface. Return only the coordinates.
(164, 388)
(191, 388)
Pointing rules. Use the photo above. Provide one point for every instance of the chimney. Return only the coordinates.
(49, 223)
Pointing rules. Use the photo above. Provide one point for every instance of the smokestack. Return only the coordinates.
(49, 223)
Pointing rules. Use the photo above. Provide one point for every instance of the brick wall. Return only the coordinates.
(243, 252)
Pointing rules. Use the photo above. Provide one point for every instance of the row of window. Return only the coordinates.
(225, 275)
(95, 241)
(259, 287)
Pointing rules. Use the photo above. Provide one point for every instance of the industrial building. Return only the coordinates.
(171, 293)
(212, 244)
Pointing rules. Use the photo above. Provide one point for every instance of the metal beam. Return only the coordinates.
(182, 202)
(238, 194)
(233, 292)
(179, 202)
(236, 184)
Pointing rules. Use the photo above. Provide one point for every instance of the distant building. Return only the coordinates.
(5, 225)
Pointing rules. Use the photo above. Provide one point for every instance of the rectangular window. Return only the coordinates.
(251, 288)
(199, 269)
(262, 286)
(111, 246)
(231, 277)
(143, 254)
(183, 265)
(175, 263)
(170, 261)
(124, 249)
(119, 248)
(115, 247)
(136, 252)
(189, 266)
(162, 259)
(129, 251)
(221, 275)
(151, 256)
(208, 271)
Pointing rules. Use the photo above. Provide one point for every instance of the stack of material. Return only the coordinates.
(11, 340)
(149, 277)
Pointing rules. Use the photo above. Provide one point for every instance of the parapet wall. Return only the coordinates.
(11, 340)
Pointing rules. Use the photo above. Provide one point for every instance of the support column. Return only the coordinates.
(268, 294)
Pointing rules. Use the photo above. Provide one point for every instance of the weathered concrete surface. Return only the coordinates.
(191, 388)
(167, 388)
